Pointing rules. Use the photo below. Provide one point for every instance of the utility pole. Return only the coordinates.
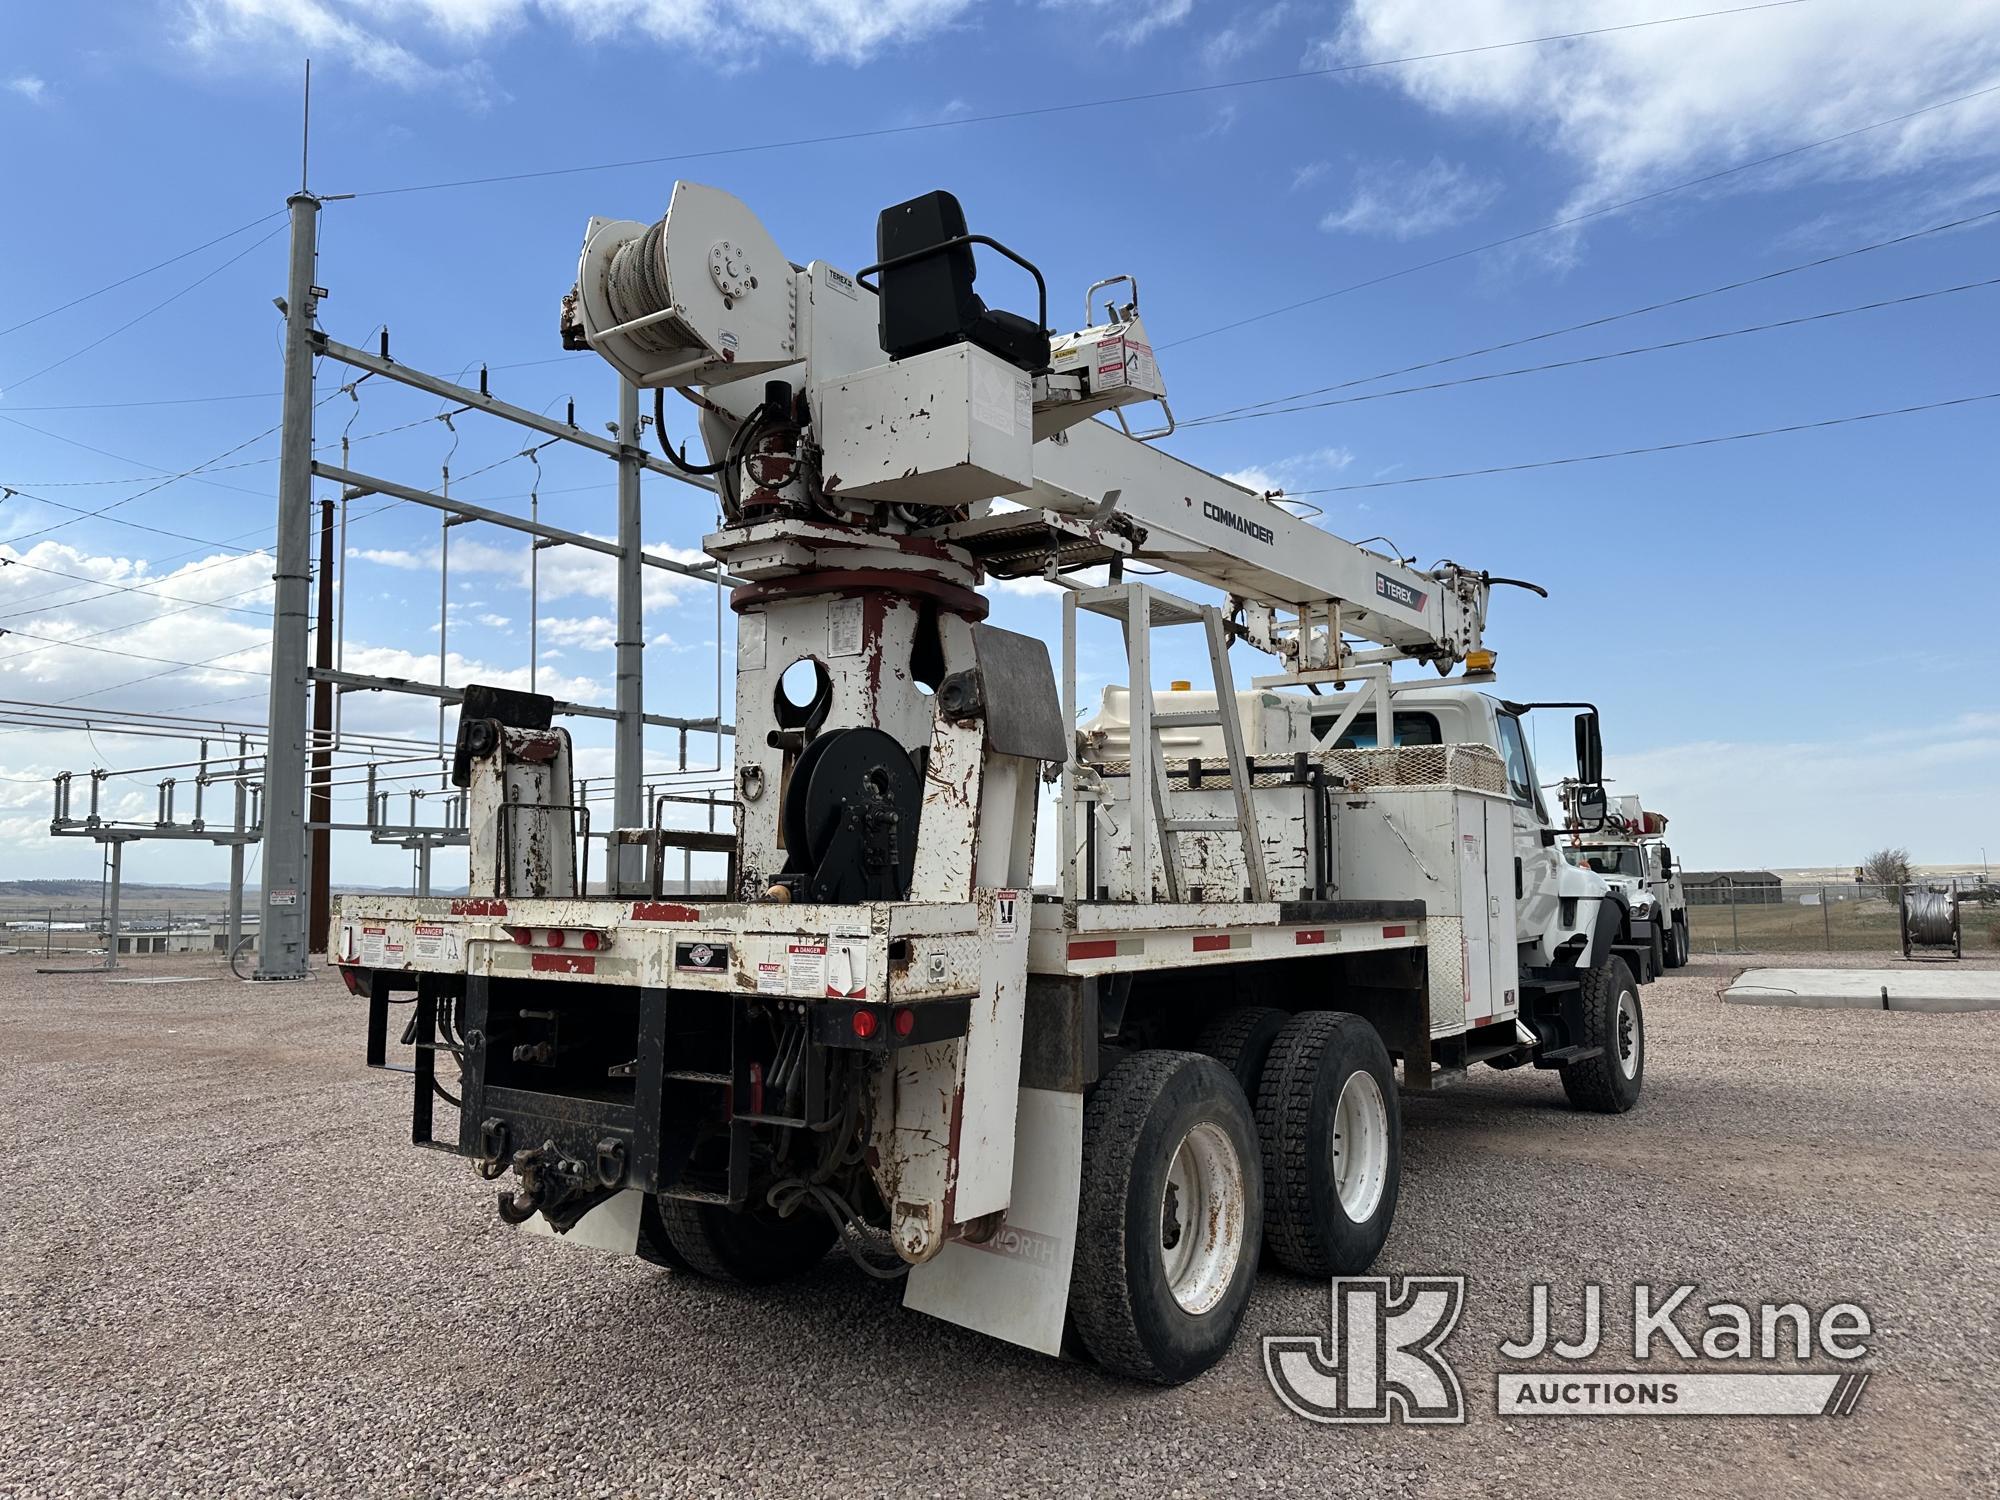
(321, 801)
(236, 851)
(281, 943)
(628, 760)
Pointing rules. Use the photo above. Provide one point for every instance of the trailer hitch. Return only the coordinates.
(558, 1188)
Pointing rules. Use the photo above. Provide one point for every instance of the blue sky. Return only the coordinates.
(1791, 637)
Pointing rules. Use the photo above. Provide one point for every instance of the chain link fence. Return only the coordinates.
(1837, 917)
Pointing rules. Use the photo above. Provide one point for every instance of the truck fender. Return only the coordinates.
(1606, 931)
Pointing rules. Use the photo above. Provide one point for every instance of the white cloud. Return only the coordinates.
(1244, 35)
(393, 40)
(562, 572)
(1825, 802)
(1311, 172)
(1132, 21)
(589, 633)
(1637, 109)
(1406, 202)
(29, 87)
(496, 622)
(1294, 472)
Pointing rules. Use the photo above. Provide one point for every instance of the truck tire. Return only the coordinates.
(1677, 943)
(1241, 1039)
(1614, 1020)
(655, 1245)
(752, 1246)
(1169, 1217)
(1331, 1136)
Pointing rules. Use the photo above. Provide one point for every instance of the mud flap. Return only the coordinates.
(611, 1226)
(1016, 1285)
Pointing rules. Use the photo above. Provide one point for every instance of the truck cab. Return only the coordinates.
(1567, 914)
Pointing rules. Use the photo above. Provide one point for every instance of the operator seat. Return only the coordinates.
(929, 303)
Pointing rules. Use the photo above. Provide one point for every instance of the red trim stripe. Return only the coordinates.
(1389, 932)
(1094, 948)
(663, 911)
(1309, 937)
(1212, 942)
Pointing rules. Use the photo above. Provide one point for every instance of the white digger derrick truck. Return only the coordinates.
(1069, 1119)
(1629, 849)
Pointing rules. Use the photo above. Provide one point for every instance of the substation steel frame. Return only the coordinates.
(282, 904)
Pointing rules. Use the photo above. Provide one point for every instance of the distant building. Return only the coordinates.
(1738, 887)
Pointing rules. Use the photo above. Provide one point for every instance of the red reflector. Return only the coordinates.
(523, 935)
(556, 937)
(864, 1023)
(1395, 932)
(1310, 936)
(351, 977)
(1212, 943)
(591, 940)
(1093, 948)
(905, 1021)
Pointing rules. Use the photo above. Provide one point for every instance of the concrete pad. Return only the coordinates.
(1936, 990)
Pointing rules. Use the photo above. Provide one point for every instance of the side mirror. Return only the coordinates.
(1590, 753)
(1666, 860)
(1588, 807)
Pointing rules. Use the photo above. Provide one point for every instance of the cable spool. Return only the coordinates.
(636, 286)
(1930, 920)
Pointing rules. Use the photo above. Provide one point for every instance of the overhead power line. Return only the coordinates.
(163, 401)
(108, 588)
(111, 286)
(1705, 442)
(9, 491)
(1593, 359)
(167, 661)
(1600, 322)
(1069, 107)
(15, 385)
(1564, 223)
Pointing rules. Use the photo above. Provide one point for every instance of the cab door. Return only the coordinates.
(1536, 862)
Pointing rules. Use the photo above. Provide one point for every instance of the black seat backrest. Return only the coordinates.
(928, 303)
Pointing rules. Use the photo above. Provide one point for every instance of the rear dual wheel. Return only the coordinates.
(1332, 1144)
(1168, 1219)
(753, 1246)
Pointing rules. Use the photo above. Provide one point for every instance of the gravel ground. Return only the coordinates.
(226, 1273)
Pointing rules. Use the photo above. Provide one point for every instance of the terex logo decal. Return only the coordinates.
(1235, 522)
(1398, 592)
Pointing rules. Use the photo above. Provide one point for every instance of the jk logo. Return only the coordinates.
(1381, 1362)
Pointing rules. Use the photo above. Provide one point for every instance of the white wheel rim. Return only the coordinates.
(1360, 1146)
(1630, 1039)
(1201, 1218)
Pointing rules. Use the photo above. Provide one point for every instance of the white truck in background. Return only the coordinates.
(1631, 852)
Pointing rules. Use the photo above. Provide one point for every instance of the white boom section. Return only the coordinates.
(1205, 528)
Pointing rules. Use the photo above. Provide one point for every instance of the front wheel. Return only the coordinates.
(1615, 1023)
(1172, 1204)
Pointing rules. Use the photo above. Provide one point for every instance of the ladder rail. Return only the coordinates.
(1152, 813)
(1240, 775)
